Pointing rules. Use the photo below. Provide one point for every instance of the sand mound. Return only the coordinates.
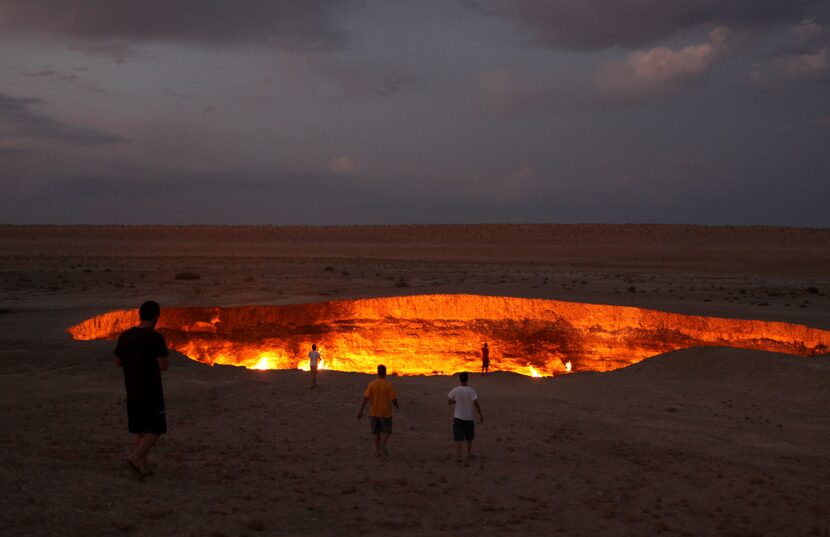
(747, 369)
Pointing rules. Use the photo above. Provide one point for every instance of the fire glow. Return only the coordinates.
(442, 334)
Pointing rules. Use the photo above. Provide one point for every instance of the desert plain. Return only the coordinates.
(706, 441)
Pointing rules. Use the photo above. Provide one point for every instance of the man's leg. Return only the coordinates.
(383, 439)
(139, 454)
(377, 444)
(469, 448)
(458, 450)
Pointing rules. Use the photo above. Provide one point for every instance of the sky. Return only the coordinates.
(310, 112)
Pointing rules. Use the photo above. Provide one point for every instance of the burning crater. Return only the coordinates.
(435, 334)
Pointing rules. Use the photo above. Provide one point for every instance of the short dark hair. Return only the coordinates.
(463, 376)
(149, 310)
(314, 347)
(381, 370)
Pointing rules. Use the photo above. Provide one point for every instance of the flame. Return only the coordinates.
(442, 334)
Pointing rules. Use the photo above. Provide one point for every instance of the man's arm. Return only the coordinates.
(164, 362)
(362, 406)
(480, 415)
(395, 402)
(118, 361)
(450, 401)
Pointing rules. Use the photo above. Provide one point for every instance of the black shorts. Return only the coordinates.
(380, 425)
(146, 416)
(463, 429)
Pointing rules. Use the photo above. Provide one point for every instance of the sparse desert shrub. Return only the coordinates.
(187, 276)
(329, 269)
(812, 290)
(401, 283)
(632, 289)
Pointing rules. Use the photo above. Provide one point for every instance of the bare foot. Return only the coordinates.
(136, 470)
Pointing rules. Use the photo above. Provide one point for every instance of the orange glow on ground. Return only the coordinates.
(442, 334)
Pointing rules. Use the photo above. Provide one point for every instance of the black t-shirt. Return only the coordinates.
(139, 350)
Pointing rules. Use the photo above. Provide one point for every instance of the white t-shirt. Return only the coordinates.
(464, 406)
(313, 357)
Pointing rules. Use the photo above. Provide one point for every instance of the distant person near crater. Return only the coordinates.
(313, 359)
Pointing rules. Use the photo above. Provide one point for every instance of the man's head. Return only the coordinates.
(382, 371)
(314, 347)
(463, 377)
(149, 311)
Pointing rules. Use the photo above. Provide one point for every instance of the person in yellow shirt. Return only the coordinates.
(382, 396)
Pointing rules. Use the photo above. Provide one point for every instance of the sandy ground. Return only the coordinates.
(698, 442)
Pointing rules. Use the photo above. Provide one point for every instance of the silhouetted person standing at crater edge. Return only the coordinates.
(485, 358)
(313, 358)
(142, 353)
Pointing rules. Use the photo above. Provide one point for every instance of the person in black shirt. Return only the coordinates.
(142, 353)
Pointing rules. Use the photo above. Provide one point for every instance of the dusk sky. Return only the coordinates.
(427, 111)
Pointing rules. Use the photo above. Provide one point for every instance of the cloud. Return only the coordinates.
(73, 80)
(807, 58)
(803, 65)
(173, 92)
(809, 30)
(343, 164)
(108, 27)
(18, 121)
(599, 24)
(356, 79)
(661, 68)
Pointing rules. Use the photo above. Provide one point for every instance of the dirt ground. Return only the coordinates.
(705, 441)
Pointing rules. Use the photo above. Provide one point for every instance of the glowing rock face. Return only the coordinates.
(435, 334)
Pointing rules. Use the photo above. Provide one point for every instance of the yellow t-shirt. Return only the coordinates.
(380, 393)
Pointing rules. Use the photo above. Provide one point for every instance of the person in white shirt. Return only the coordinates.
(463, 422)
(313, 358)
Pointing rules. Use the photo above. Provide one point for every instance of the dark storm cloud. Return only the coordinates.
(599, 24)
(358, 80)
(18, 120)
(72, 79)
(302, 25)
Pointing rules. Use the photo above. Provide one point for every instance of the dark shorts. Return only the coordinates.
(380, 425)
(463, 429)
(146, 417)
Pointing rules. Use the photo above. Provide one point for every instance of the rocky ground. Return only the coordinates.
(697, 442)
